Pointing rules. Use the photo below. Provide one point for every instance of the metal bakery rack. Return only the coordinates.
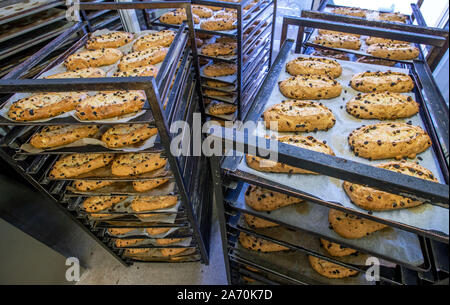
(253, 33)
(171, 96)
(414, 250)
(25, 27)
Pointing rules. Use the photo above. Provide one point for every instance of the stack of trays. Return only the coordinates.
(233, 52)
(100, 154)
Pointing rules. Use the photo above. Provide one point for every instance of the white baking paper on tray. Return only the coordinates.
(427, 216)
(362, 51)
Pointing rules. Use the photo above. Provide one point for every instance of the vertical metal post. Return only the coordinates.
(272, 35)
(239, 62)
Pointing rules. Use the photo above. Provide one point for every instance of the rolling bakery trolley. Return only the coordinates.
(169, 222)
(299, 243)
(235, 39)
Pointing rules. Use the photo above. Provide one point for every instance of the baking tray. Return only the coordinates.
(294, 264)
(307, 243)
(92, 144)
(104, 173)
(393, 245)
(429, 219)
(372, 14)
(22, 9)
(144, 116)
(151, 243)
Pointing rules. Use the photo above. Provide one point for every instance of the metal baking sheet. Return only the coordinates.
(123, 188)
(15, 9)
(426, 217)
(156, 254)
(150, 242)
(362, 51)
(142, 233)
(391, 244)
(297, 264)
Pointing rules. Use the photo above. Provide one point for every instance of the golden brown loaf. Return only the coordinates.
(151, 56)
(309, 142)
(338, 41)
(151, 203)
(162, 38)
(374, 200)
(110, 104)
(261, 199)
(137, 163)
(109, 40)
(128, 134)
(91, 185)
(76, 164)
(314, 87)
(293, 115)
(335, 249)
(44, 105)
(329, 269)
(100, 203)
(147, 185)
(258, 244)
(81, 73)
(54, 136)
(388, 140)
(351, 226)
(397, 51)
(96, 58)
(256, 222)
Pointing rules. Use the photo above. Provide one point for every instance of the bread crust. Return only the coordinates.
(382, 81)
(44, 105)
(314, 87)
(128, 134)
(95, 58)
(258, 244)
(338, 41)
(314, 66)
(258, 223)
(76, 164)
(397, 51)
(151, 56)
(157, 231)
(216, 84)
(109, 40)
(382, 106)
(393, 17)
(120, 231)
(120, 243)
(261, 199)
(351, 226)
(375, 200)
(294, 115)
(91, 185)
(147, 185)
(81, 73)
(100, 203)
(220, 69)
(329, 269)
(54, 136)
(132, 164)
(172, 251)
(110, 104)
(162, 38)
(167, 241)
(328, 32)
(270, 166)
(219, 24)
(335, 249)
(388, 140)
(140, 71)
(152, 203)
(219, 49)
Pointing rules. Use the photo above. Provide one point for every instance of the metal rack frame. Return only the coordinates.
(226, 175)
(196, 202)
